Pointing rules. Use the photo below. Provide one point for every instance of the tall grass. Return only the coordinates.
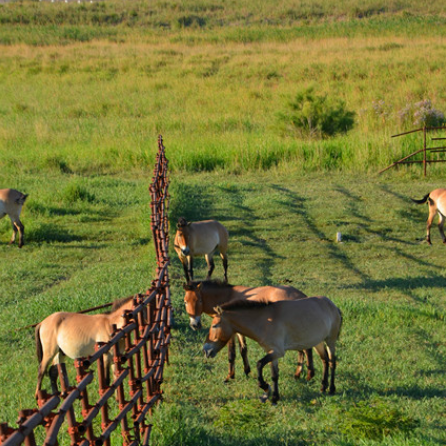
(96, 107)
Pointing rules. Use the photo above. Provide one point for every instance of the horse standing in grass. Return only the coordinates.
(198, 239)
(11, 202)
(278, 327)
(437, 205)
(203, 297)
(75, 335)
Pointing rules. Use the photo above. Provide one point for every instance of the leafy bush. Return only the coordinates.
(312, 115)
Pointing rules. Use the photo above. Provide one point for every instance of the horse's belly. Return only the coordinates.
(207, 246)
(79, 345)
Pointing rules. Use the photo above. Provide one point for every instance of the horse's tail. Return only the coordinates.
(39, 349)
(423, 200)
(340, 323)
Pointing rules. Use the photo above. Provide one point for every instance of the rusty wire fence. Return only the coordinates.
(87, 405)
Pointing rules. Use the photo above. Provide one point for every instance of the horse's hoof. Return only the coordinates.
(310, 375)
(264, 398)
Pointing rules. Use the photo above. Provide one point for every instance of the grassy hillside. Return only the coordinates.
(87, 96)
(85, 89)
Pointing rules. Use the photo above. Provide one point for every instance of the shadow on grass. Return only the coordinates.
(248, 234)
(50, 233)
(298, 206)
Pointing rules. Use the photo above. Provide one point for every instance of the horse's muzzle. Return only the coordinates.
(209, 351)
(185, 251)
(195, 323)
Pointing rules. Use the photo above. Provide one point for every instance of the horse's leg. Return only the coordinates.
(430, 219)
(309, 361)
(54, 372)
(275, 378)
(441, 226)
(231, 359)
(310, 364)
(244, 354)
(224, 257)
(190, 261)
(14, 232)
(323, 353)
(332, 362)
(46, 350)
(300, 363)
(261, 382)
(18, 224)
(211, 265)
(185, 268)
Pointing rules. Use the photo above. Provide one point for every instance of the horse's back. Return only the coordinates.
(313, 319)
(267, 293)
(208, 235)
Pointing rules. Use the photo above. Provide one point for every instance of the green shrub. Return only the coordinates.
(74, 192)
(374, 421)
(312, 115)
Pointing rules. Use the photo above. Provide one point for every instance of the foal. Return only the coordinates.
(11, 202)
(198, 239)
(75, 335)
(437, 205)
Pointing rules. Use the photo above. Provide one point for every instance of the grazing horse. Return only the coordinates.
(437, 205)
(203, 297)
(75, 335)
(201, 238)
(11, 202)
(278, 327)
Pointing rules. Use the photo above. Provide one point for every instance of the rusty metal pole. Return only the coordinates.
(424, 150)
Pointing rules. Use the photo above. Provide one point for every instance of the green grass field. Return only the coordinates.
(84, 92)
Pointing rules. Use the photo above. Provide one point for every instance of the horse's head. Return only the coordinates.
(182, 236)
(194, 304)
(219, 334)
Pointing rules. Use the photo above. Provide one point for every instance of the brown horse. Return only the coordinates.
(437, 205)
(198, 239)
(278, 327)
(11, 202)
(203, 297)
(75, 335)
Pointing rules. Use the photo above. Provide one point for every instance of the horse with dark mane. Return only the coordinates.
(75, 335)
(203, 297)
(201, 238)
(278, 327)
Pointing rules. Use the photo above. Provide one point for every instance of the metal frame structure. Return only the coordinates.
(424, 150)
(138, 371)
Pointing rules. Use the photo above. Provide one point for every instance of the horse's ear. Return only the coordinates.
(199, 286)
(218, 310)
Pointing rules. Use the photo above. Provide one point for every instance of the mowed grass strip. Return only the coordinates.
(388, 283)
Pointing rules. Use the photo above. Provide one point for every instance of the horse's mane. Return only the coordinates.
(117, 304)
(216, 283)
(243, 304)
